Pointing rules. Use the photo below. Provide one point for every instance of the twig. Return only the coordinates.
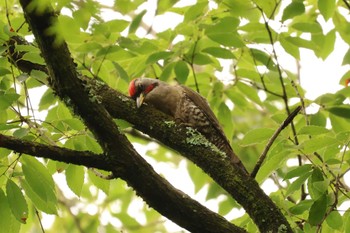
(346, 4)
(102, 176)
(272, 139)
(39, 219)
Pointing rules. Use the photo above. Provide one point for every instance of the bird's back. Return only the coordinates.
(195, 111)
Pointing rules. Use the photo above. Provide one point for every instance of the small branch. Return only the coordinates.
(346, 4)
(102, 176)
(191, 62)
(39, 219)
(85, 158)
(284, 124)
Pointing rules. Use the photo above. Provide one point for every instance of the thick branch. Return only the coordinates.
(148, 120)
(121, 156)
(244, 189)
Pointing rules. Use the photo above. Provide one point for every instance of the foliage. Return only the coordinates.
(251, 95)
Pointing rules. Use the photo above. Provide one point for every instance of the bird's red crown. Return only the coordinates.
(132, 88)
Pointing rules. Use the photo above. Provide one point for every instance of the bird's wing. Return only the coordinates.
(202, 103)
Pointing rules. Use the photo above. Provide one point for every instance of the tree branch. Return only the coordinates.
(120, 155)
(85, 158)
(160, 126)
(284, 124)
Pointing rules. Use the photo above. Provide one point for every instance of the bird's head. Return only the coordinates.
(140, 87)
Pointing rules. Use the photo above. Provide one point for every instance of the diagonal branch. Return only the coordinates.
(159, 126)
(284, 124)
(120, 155)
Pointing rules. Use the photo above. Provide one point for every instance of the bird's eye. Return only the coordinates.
(140, 86)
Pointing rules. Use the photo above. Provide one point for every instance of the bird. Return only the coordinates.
(187, 107)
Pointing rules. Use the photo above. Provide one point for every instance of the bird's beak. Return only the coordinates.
(139, 100)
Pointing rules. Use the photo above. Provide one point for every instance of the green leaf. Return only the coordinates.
(317, 143)
(198, 177)
(249, 92)
(318, 119)
(154, 57)
(122, 73)
(257, 136)
(297, 41)
(330, 99)
(346, 59)
(167, 71)
(127, 220)
(335, 220)
(3, 118)
(125, 6)
(6, 100)
(27, 48)
(39, 76)
(264, 58)
(231, 39)
(339, 124)
(226, 206)
(342, 26)
(135, 23)
(214, 191)
(4, 71)
(311, 27)
(313, 130)
(82, 16)
(67, 28)
(347, 222)
(8, 222)
(195, 11)
(327, 8)
(283, 153)
(293, 9)
(34, 58)
(341, 111)
(20, 133)
(17, 203)
(22, 77)
(75, 178)
(318, 210)
(298, 171)
(268, 6)
(39, 179)
(225, 118)
(48, 99)
(321, 186)
(314, 190)
(47, 206)
(236, 98)
(202, 59)
(181, 71)
(164, 5)
(301, 207)
(100, 183)
(325, 43)
(229, 24)
(289, 47)
(219, 52)
(297, 183)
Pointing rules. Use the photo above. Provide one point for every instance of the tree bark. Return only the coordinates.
(123, 160)
(128, 165)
